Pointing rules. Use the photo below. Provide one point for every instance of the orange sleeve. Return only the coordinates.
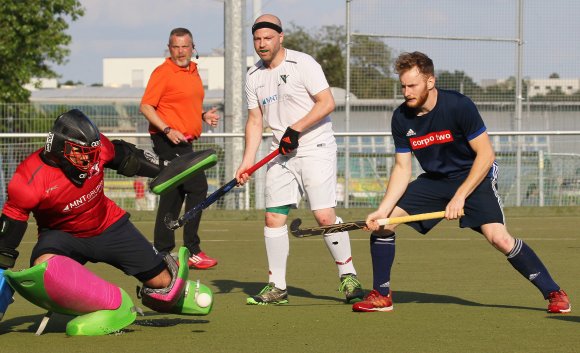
(155, 88)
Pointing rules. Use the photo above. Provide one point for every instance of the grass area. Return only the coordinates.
(453, 293)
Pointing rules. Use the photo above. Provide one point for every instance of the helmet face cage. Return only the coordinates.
(81, 157)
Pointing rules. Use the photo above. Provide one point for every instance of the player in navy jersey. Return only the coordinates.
(62, 186)
(445, 132)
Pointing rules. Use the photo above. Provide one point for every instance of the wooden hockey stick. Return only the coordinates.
(342, 227)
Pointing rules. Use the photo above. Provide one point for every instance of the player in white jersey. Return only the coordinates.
(287, 89)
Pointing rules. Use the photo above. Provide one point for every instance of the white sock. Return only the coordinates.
(277, 249)
(339, 246)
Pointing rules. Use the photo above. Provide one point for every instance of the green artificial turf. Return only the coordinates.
(452, 293)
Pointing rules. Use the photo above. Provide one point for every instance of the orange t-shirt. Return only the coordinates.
(177, 95)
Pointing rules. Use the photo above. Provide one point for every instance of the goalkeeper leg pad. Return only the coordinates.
(181, 296)
(164, 299)
(64, 286)
(197, 300)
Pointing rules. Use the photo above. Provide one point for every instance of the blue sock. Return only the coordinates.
(526, 262)
(383, 255)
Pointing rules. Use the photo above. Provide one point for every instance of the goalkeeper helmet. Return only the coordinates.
(74, 145)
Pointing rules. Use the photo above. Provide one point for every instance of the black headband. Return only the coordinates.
(270, 25)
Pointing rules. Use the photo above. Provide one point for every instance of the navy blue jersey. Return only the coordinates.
(440, 138)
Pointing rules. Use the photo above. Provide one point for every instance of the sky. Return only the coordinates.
(140, 28)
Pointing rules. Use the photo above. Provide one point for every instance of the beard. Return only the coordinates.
(420, 101)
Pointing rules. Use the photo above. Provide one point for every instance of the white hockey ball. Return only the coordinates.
(203, 300)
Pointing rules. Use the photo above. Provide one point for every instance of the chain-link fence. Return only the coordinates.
(548, 178)
(502, 54)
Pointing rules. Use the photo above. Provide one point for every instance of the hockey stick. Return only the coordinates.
(343, 227)
(188, 216)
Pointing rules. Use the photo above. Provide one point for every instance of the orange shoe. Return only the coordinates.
(559, 303)
(374, 301)
(201, 261)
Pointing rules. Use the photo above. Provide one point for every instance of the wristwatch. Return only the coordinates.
(166, 130)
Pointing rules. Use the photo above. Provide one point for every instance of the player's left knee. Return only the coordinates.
(326, 218)
(501, 240)
(42, 258)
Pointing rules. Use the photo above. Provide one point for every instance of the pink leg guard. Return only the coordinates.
(70, 285)
(164, 299)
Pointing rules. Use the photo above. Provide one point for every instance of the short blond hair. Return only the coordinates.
(407, 61)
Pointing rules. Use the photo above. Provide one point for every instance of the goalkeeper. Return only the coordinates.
(62, 185)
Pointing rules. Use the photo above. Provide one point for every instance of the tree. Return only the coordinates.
(33, 36)
(371, 59)
(371, 68)
(459, 82)
(324, 45)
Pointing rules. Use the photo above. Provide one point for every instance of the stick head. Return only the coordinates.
(181, 169)
(170, 222)
(295, 228)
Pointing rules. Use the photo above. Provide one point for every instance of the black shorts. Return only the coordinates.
(121, 245)
(428, 194)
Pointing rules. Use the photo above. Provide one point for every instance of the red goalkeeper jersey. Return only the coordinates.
(56, 203)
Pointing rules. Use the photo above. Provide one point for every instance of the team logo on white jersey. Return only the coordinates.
(270, 100)
(411, 133)
(283, 78)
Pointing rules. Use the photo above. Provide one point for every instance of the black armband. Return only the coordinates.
(130, 160)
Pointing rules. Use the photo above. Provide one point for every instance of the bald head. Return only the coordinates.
(269, 18)
(267, 21)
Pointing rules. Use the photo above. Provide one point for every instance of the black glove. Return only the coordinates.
(289, 141)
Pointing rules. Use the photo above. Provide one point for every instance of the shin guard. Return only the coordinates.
(64, 286)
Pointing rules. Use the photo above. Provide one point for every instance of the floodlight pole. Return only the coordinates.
(347, 111)
(519, 99)
(234, 68)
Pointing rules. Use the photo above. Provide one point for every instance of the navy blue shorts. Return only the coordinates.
(429, 194)
(121, 245)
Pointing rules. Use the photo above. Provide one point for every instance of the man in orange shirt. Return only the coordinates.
(172, 103)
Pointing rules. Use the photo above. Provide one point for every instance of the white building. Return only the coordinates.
(544, 86)
(135, 72)
(41, 83)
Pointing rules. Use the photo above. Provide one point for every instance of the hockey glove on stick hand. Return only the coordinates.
(289, 141)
